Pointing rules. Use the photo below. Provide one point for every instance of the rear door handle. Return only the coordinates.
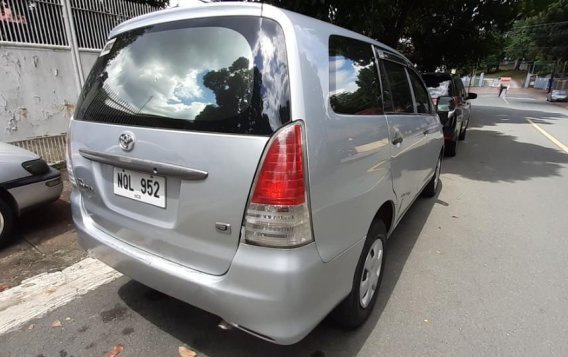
(151, 167)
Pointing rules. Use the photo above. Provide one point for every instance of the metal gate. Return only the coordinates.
(47, 48)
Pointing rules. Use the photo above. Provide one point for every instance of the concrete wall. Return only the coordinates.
(88, 59)
(38, 92)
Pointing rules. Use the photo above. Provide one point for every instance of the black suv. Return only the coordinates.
(452, 103)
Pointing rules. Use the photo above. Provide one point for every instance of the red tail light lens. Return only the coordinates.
(435, 100)
(281, 178)
(278, 214)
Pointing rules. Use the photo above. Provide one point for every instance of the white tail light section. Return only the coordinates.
(278, 214)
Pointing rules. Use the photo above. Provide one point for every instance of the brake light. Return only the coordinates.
(281, 178)
(435, 100)
(278, 214)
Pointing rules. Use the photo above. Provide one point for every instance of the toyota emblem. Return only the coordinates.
(126, 141)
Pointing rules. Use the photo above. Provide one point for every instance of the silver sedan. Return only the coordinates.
(26, 181)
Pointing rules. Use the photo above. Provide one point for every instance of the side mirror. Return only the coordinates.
(445, 104)
(471, 95)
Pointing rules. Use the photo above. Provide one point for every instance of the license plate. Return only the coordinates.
(140, 186)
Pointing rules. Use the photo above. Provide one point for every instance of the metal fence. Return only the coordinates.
(75, 30)
(34, 22)
(43, 21)
(50, 148)
(93, 20)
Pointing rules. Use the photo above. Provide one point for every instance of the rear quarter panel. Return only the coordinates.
(348, 156)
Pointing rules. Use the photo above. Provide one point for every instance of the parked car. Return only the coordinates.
(557, 95)
(26, 182)
(452, 103)
(251, 161)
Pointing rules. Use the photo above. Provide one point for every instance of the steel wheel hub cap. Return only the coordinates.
(371, 273)
(1, 223)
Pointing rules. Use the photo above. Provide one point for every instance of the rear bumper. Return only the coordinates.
(37, 190)
(276, 294)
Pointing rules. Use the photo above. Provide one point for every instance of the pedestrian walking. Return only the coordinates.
(503, 85)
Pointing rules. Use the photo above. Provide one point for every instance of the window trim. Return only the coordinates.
(430, 105)
(404, 66)
(329, 95)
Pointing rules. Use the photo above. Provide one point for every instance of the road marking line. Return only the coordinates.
(548, 136)
(522, 98)
(45, 292)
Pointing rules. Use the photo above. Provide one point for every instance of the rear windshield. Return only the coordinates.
(438, 85)
(224, 74)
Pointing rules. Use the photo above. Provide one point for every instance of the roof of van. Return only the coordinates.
(233, 9)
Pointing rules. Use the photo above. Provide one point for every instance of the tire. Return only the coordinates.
(462, 134)
(451, 148)
(6, 222)
(431, 188)
(355, 309)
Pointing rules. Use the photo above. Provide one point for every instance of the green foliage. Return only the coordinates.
(542, 33)
(431, 33)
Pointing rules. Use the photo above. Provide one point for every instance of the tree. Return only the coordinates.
(432, 34)
(541, 33)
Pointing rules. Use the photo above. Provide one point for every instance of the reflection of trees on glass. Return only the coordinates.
(236, 109)
(233, 90)
(137, 84)
(353, 77)
(364, 101)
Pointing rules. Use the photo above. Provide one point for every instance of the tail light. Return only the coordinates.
(435, 100)
(277, 214)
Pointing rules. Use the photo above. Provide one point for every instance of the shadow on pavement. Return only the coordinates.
(493, 156)
(43, 240)
(483, 116)
(198, 329)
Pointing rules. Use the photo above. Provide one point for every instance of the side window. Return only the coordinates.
(396, 87)
(420, 94)
(353, 79)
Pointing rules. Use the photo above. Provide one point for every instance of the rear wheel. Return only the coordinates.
(432, 187)
(358, 305)
(462, 134)
(451, 147)
(6, 222)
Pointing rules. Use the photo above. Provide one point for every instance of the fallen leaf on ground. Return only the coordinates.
(4, 287)
(56, 323)
(116, 351)
(30, 327)
(186, 352)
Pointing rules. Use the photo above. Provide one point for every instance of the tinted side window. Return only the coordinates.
(353, 78)
(396, 86)
(420, 94)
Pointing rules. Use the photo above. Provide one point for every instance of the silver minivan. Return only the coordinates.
(250, 161)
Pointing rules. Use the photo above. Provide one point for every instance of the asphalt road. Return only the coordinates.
(481, 269)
